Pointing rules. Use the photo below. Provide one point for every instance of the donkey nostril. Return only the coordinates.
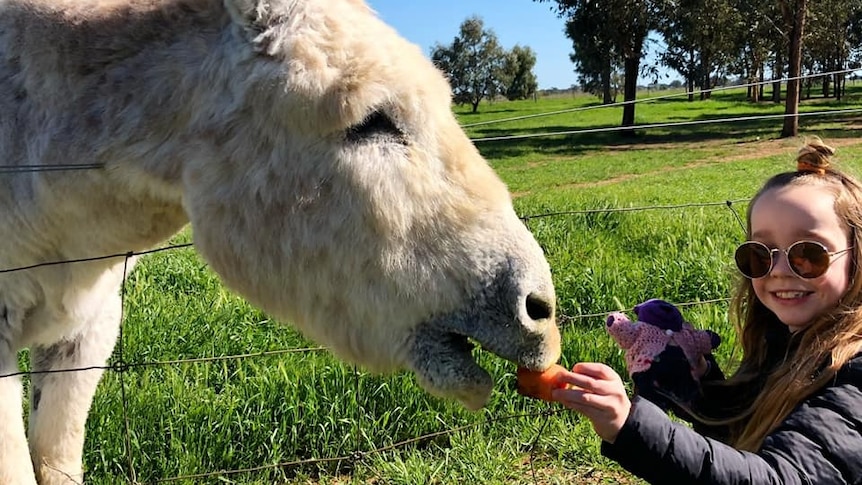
(538, 308)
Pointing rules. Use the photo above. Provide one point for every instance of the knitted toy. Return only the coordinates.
(662, 351)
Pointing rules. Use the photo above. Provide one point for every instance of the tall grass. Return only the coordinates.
(618, 243)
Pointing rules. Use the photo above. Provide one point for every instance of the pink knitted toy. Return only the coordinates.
(662, 350)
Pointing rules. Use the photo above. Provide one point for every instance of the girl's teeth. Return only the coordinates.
(789, 294)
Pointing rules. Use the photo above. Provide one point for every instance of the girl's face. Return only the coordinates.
(781, 217)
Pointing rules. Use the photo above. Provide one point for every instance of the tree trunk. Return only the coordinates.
(796, 19)
(754, 79)
(837, 85)
(705, 82)
(607, 96)
(777, 74)
(689, 87)
(748, 71)
(761, 77)
(753, 91)
(840, 83)
(630, 90)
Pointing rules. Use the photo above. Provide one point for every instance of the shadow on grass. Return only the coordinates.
(708, 128)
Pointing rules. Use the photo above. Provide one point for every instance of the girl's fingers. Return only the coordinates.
(577, 380)
(595, 378)
(598, 394)
(588, 399)
(594, 388)
(608, 413)
(595, 370)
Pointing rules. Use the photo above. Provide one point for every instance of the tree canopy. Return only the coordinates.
(479, 68)
(711, 41)
(607, 34)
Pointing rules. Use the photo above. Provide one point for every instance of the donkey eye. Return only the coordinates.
(376, 125)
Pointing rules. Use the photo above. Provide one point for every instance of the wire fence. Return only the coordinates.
(120, 365)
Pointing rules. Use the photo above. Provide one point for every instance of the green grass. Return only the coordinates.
(191, 418)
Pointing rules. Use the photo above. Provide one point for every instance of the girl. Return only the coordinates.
(792, 412)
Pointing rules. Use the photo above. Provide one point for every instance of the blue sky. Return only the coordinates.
(524, 22)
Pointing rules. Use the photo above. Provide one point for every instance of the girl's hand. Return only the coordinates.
(599, 395)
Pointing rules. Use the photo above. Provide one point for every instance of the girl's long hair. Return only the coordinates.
(779, 370)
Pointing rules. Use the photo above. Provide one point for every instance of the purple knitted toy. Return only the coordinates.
(662, 351)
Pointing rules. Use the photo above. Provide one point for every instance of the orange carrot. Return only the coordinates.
(538, 384)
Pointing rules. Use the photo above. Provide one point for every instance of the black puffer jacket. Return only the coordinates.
(819, 443)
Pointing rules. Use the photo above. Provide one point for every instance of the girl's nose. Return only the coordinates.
(780, 264)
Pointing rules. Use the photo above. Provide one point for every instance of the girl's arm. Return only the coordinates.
(820, 442)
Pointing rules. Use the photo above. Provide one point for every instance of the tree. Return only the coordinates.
(700, 38)
(473, 62)
(594, 57)
(625, 28)
(677, 27)
(833, 30)
(757, 38)
(793, 12)
(517, 73)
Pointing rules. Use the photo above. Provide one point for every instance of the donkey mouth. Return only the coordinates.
(444, 366)
(501, 320)
(442, 357)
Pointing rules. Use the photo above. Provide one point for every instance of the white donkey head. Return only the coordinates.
(314, 152)
(345, 198)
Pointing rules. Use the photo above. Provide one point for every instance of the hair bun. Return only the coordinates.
(814, 157)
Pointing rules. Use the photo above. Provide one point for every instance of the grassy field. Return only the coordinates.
(622, 219)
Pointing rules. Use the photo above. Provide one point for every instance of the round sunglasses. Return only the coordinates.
(807, 259)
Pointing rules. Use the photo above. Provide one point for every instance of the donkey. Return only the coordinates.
(316, 157)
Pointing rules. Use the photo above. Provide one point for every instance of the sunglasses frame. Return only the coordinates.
(786, 251)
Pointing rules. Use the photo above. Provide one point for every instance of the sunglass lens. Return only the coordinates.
(808, 259)
(753, 260)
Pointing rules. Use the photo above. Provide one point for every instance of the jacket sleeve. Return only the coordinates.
(819, 443)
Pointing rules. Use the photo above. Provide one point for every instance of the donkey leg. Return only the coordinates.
(59, 402)
(15, 468)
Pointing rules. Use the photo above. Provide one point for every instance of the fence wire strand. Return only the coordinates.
(60, 167)
(127, 366)
(17, 169)
(581, 131)
(523, 218)
(126, 255)
(673, 124)
(359, 455)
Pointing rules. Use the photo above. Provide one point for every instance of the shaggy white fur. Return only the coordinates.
(315, 155)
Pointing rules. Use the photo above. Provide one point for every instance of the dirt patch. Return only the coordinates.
(554, 474)
(551, 474)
